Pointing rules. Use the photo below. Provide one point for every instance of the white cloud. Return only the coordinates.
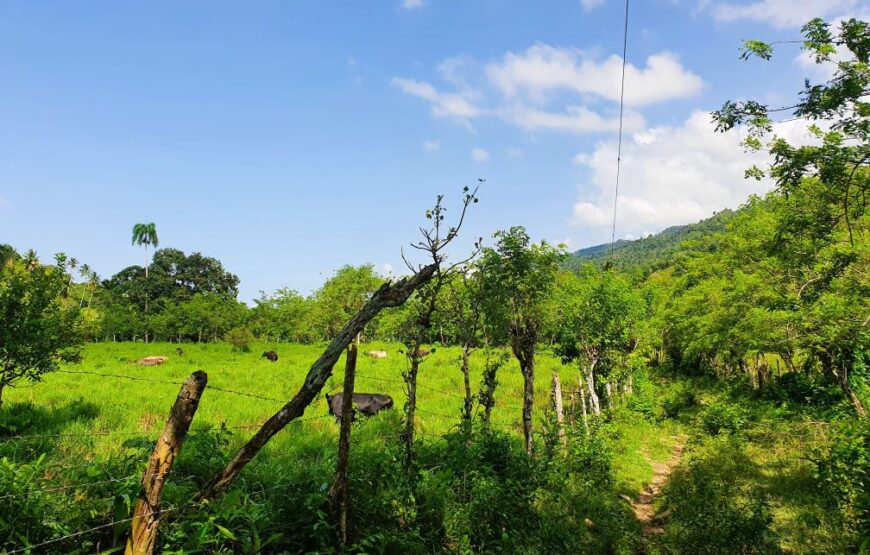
(575, 119)
(412, 4)
(780, 13)
(444, 105)
(387, 269)
(669, 176)
(543, 70)
(589, 5)
(528, 89)
(431, 146)
(479, 155)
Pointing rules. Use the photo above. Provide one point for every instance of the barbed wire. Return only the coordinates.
(88, 531)
(157, 380)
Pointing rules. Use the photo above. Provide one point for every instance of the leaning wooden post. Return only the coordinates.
(146, 513)
(557, 405)
(338, 491)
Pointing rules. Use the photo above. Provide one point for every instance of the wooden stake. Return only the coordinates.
(557, 404)
(338, 491)
(146, 513)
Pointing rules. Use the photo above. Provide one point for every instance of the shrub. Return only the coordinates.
(713, 508)
(803, 389)
(843, 476)
(720, 417)
(240, 339)
(679, 400)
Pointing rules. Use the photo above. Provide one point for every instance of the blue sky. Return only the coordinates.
(290, 138)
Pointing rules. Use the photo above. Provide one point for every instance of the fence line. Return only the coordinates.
(156, 380)
(83, 532)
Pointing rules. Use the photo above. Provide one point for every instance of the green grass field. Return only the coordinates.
(95, 432)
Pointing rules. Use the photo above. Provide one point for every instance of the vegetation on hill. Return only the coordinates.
(742, 342)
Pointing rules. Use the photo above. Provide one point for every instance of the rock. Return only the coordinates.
(589, 524)
(625, 498)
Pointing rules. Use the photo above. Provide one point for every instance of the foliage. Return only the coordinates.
(240, 338)
(723, 417)
(843, 469)
(712, 507)
(40, 328)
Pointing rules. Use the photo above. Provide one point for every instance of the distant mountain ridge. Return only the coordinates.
(652, 252)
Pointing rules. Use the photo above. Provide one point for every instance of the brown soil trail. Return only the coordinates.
(643, 505)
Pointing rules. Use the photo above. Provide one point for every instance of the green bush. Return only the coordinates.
(240, 339)
(713, 509)
(721, 417)
(678, 401)
(842, 472)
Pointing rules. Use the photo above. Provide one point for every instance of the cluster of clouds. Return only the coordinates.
(523, 87)
(670, 174)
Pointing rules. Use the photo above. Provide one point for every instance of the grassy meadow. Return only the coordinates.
(86, 437)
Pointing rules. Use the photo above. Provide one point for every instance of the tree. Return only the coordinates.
(462, 316)
(824, 185)
(390, 294)
(144, 235)
(342, 296)
(517, 277)
(595, 313)
(39, 332)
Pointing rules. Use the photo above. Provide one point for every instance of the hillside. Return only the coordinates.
(651, 252)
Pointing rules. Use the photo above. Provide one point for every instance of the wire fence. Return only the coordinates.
(151, 435)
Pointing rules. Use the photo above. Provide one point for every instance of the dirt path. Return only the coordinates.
(643, 505)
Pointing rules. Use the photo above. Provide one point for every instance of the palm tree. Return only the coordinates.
(85, 272)
(144, 235)
(93, 281)
(31, 260)
(72, 264)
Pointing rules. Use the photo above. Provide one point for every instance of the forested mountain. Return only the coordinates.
(655, 251)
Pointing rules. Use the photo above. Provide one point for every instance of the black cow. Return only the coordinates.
(368, 404)
(271, 355)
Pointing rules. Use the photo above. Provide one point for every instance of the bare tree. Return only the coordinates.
(390, 294)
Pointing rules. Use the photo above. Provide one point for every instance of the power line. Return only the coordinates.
(619, 141)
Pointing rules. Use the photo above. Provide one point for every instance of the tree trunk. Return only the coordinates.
(466, 413)
(487, 397)
(146, 513)
(389, 295)
(528, 371)
(338, 492)
(411, 406)
(583, 404)
(557, 407)
(593, 396)
(609, 390)
(2, 387)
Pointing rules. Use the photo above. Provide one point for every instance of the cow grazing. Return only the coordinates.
(271, 355)
(368, 404)
(377, 354)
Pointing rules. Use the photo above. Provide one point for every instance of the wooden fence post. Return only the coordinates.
(338, 491)
(557, 405)
(146, 513)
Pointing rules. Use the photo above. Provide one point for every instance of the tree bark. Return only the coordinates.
(146, 513)
(389, 295)
(338, 492)
(528, 371)
(487, 397)
(411, 406)
(466, 377)
(590, 383)
(583, 404)
(557, 407)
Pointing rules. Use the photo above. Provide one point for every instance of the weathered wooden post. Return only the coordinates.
(146, 513)
(583, 404)
(557, 405)
(338, 491)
